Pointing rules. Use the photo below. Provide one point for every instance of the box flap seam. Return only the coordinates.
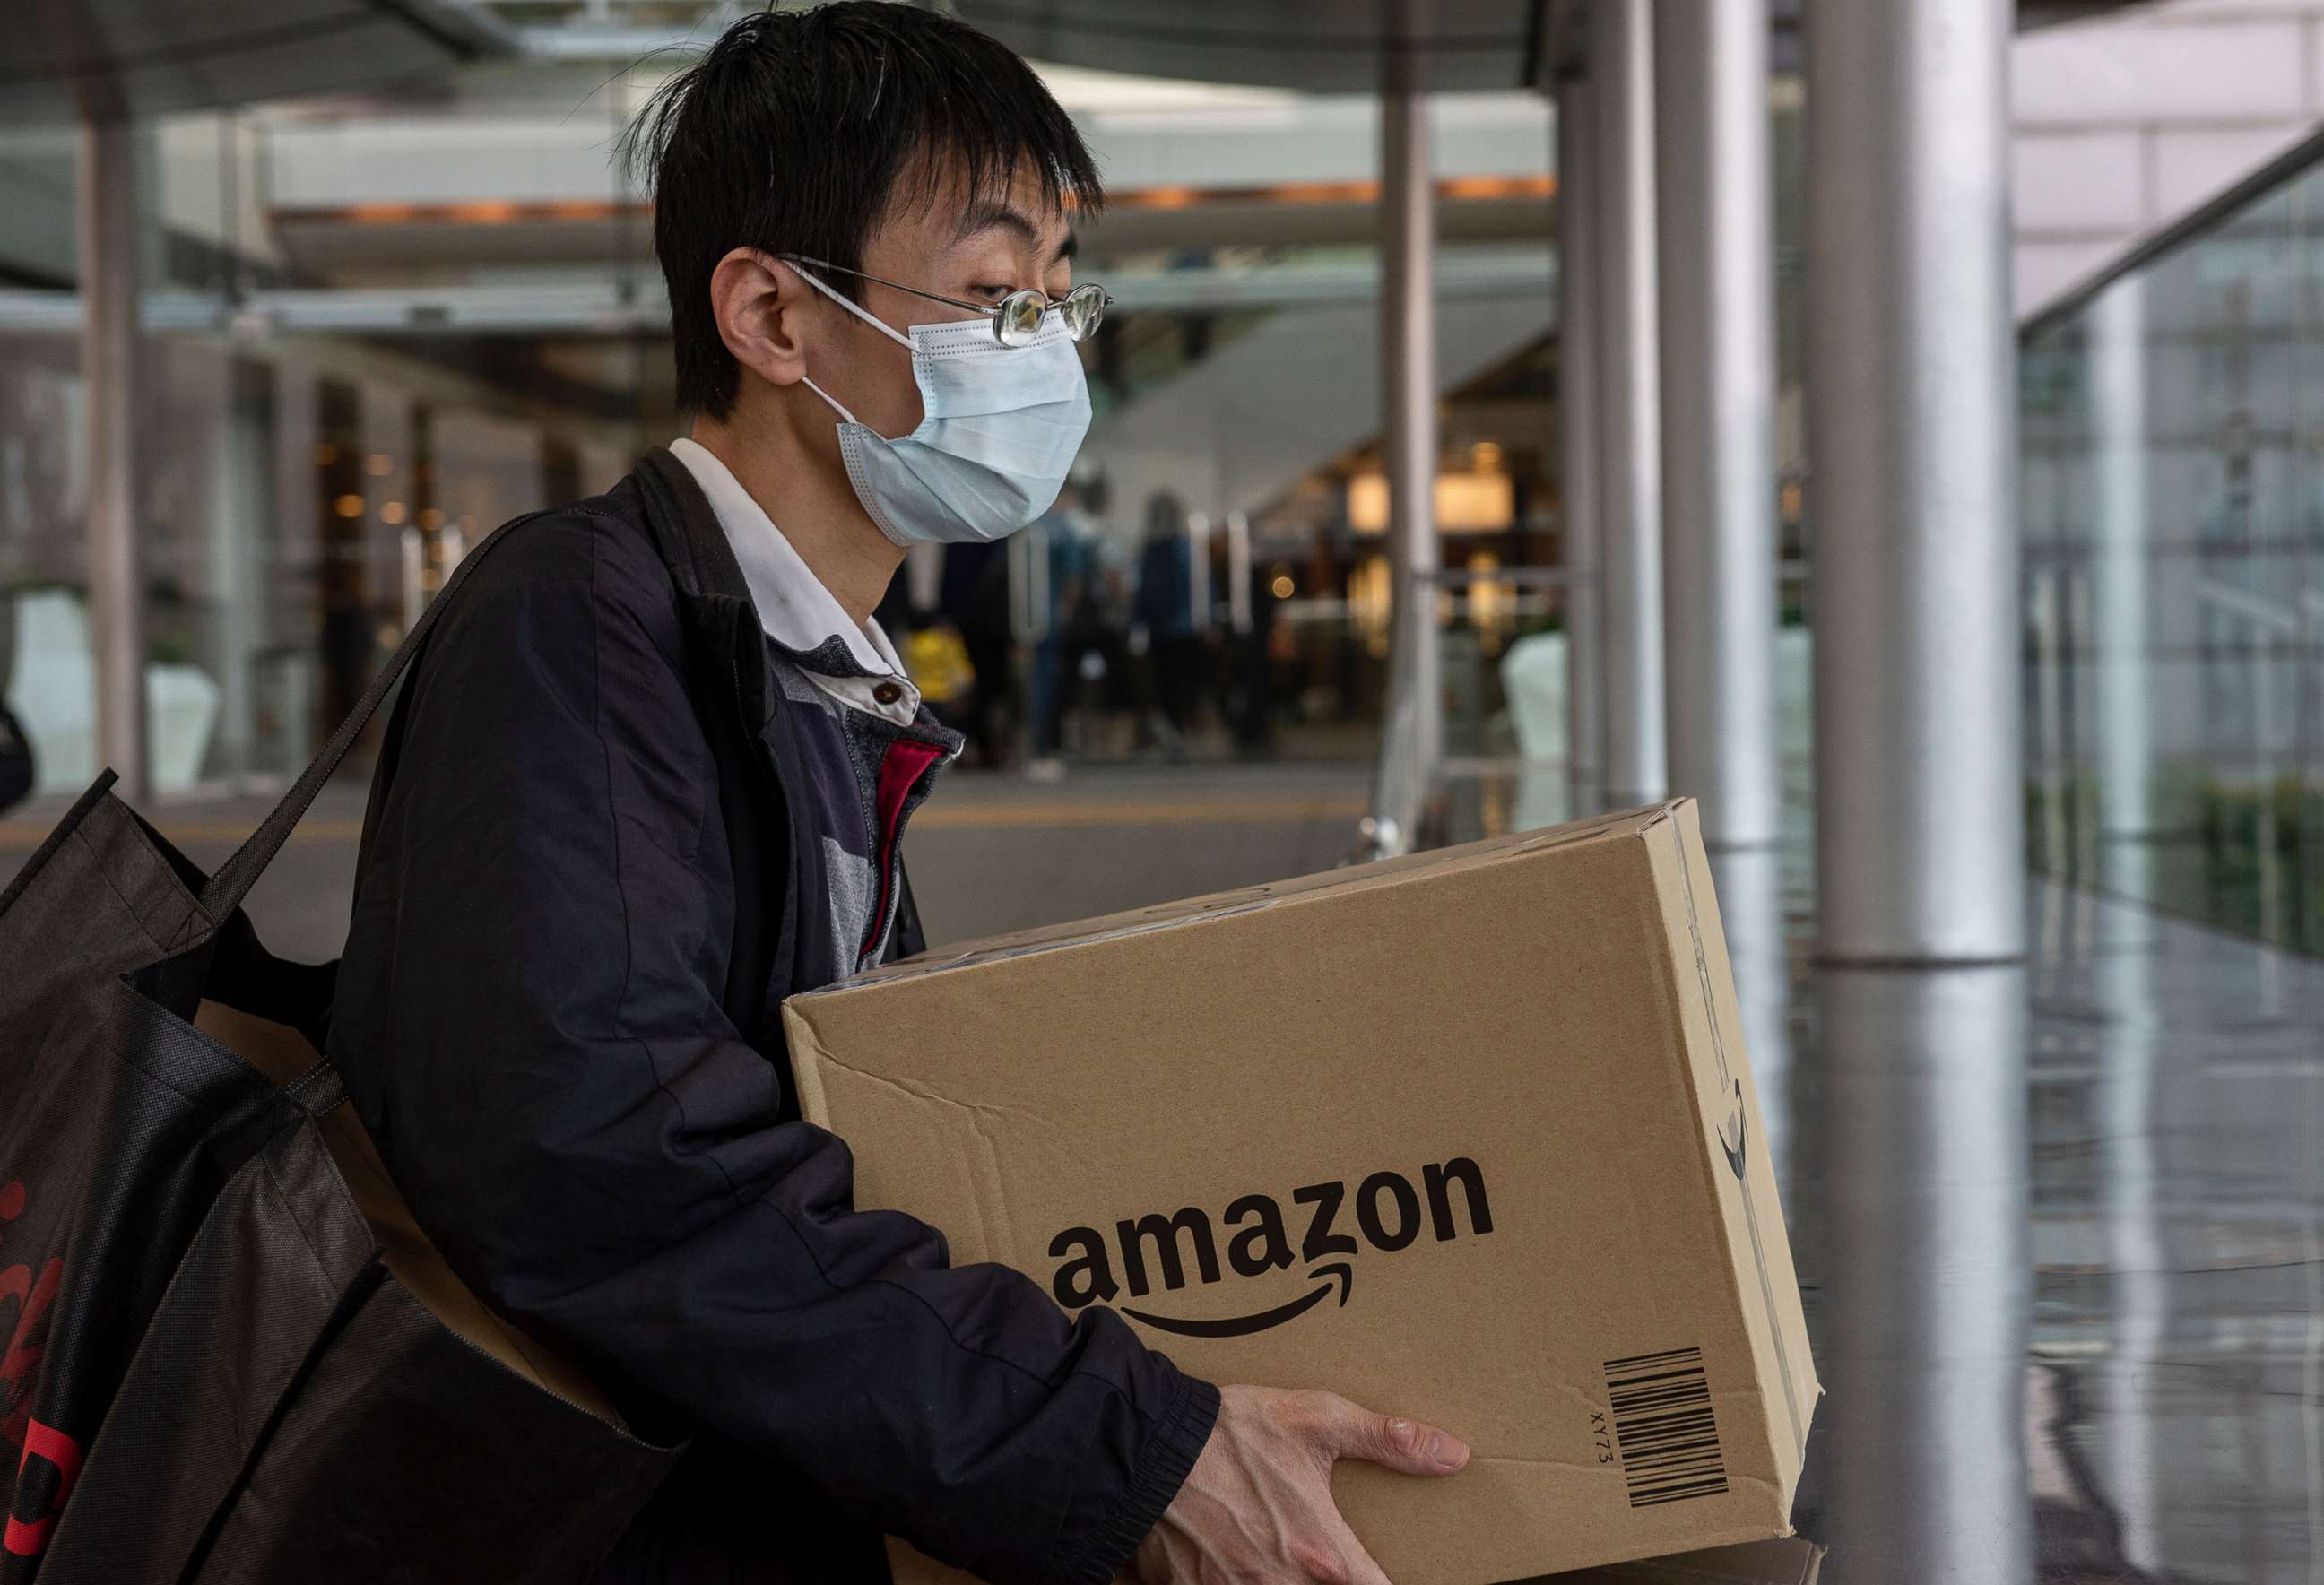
(1751, 1205)
(1624, 823)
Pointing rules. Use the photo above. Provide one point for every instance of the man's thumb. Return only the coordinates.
(1405, 1445)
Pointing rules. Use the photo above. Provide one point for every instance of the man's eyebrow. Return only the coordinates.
(993, 216)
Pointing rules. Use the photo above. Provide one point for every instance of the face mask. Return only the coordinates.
(999, 428)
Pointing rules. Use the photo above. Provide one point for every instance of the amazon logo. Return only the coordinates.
(1169, 1253)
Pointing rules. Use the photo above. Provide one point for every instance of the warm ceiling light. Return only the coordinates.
(348, 506)
(430, 518)
(1165, 198)
(1476, 187)
(490, 212)
(1464, 504)
(1324, 192)
(391, 512)
(379, 464)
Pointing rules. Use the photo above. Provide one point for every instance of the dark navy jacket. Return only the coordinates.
(581, 899)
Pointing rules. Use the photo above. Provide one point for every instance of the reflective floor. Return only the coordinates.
(2059, 1227)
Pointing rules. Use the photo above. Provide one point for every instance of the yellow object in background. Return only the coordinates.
(937, 662)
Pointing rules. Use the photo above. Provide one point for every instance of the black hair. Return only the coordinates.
(797, 131)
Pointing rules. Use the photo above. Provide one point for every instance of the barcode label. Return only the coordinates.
(1662, 1427)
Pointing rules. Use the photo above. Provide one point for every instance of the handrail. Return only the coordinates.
(2208, 215)
(2254, 608)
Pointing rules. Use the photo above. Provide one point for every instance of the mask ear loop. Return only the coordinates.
(845, 416)
(872, 319)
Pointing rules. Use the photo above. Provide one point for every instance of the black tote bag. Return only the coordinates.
(228, 1355)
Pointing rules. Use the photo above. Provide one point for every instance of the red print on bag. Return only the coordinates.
(18, 1364)
(59, 1452)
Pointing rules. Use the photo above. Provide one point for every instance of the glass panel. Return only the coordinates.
(2171, 428)
(47, 665)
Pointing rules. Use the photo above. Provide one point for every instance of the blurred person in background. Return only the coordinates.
(1084, 651)
(973, 596)
(1058, 539)
(1163, 615)
(1253, 688)
(934, 658)
(652, 775)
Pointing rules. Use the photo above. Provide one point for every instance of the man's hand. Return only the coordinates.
(1256, 1507)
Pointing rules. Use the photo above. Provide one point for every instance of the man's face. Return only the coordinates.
(977, 250)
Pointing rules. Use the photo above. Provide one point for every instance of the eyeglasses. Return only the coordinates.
(1017, 318)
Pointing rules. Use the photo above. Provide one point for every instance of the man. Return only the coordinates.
(653, 776)
(1164, 611)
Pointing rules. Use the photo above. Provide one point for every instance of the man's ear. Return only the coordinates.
(762, 308)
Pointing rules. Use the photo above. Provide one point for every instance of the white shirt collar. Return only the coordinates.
(795, 608)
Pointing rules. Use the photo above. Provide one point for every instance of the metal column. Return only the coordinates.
(1629, 479)
(2122, 536)
(107, 200)
(2133, 1053)
(1579, 517)
(1716, 243)
(1412, 735)
(1926, 1199)
(1920, 808)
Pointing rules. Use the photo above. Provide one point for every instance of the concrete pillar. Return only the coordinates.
(1409, 347)
(1412, 736)
(1924, 1206)
(2119, 586)
(1716, 258)
(106, 196)
(242, 550)
(2132, 1049)
(1912, 461)
(294, 680)
(1581, 513)
(2133, 1062)
(1621, 70)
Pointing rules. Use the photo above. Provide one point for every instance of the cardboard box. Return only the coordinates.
(1792, 1561)
(1469, 1136)
(1756, 1563)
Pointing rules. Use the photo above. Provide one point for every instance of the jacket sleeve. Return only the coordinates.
(528, 1014)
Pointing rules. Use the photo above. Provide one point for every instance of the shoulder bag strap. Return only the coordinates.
(760, 842)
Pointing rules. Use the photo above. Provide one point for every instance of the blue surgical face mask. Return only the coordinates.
(999, 428)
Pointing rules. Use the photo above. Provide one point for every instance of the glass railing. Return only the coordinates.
(2171, 421)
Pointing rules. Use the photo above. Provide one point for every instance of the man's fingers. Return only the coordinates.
(1406, 1445)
